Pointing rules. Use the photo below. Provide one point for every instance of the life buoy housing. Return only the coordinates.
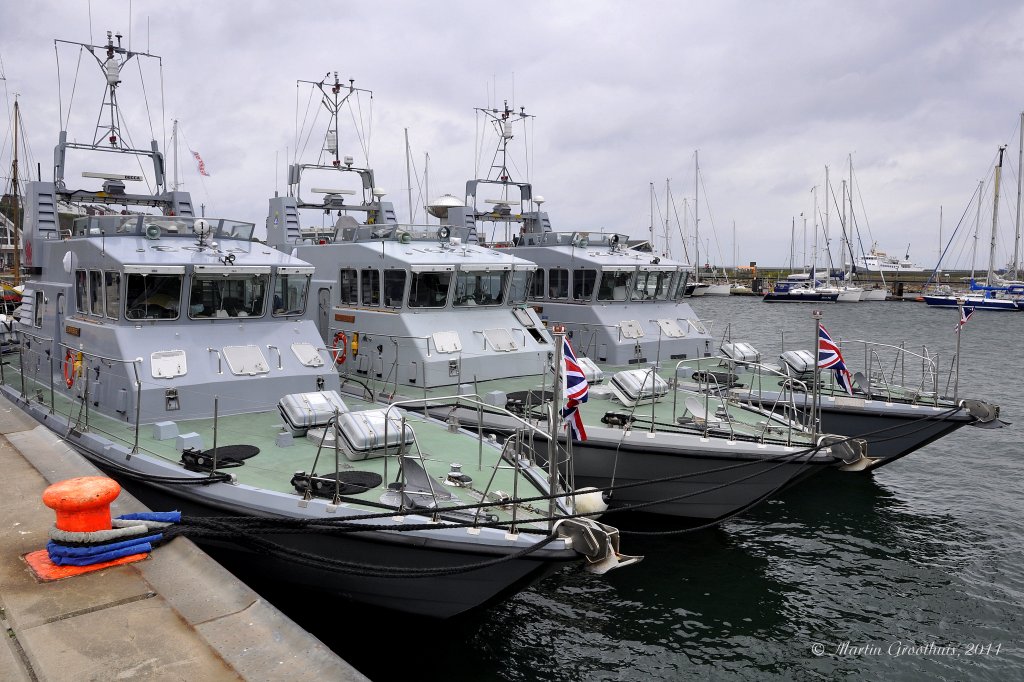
(340, 346)
(72, 366)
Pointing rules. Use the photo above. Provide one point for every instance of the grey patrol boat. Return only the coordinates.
(427, 312)
(173, 351)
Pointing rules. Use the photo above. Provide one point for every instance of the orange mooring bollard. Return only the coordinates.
(82, 505)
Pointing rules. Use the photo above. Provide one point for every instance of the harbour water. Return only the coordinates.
(913, 572)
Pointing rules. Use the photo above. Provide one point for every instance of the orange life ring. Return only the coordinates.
(340, 354)
(69, 368)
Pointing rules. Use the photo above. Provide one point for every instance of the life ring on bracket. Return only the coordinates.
(340, 354)
(72, 366)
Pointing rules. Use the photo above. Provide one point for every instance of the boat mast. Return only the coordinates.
(977, 224)
(1016, 241)
(174, 148)
(650, 227)
(14, 196)
(408, 176)
(696, 215)
(668, 198)
(828, 248)
(995, 217)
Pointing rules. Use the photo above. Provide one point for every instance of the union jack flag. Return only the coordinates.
(965, 314)
(575, 389)
(830, 357)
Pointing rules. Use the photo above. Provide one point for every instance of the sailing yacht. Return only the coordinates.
(992, 293)
(174, 353)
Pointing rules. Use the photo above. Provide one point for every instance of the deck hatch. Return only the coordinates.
(631, 329)
(167, 364)
(308, 354)
(447, 342)
(246, 360)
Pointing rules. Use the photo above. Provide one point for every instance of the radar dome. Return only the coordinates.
(439, 207)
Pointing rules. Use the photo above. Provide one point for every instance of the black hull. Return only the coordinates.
(706, 494)
(890, 437)
(441, 597)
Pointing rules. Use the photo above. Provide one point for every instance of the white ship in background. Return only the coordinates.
(879, 261)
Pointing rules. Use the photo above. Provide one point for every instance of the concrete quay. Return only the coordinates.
(177, 615)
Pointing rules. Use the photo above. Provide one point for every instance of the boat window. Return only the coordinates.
(236, 295)
(112, 286)
(82, 291)
(429, 289)
(521, 280)
(348, 287)
(394, 288)
(480, 287)
(37, 309)
(96, 292)
(290, 294)
(651, 285)
(152, 297)
(679, 285)
(558, 283)
(537, 286)
(615, 285)
(369, 287)
(583, 284)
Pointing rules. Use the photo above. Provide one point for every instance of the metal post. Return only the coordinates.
(956, 379)
(337, 462)
(216, 401)
(816, 315)
(49, 360)
(558, 333)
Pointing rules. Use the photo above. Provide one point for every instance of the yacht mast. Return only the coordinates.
(696, 215)
(995, 217)
(828, 248)
(14, 195)
(1016, 240)
(977, 224)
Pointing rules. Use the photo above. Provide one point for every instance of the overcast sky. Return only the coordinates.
(921, 94)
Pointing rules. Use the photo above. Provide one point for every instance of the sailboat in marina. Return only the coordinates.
(993, 292)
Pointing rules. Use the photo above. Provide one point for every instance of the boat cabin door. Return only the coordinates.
(323, 311)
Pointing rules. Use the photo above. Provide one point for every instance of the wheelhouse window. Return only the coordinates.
(369, 288)
(82, 291)
(152, 297)
(394, 288)
(679, 285)
(96, 292)
(233, 295)
(480, 287)
(429, 289)
(615, 286)
(348, 287)
(583, 284)
(537, 286)
(112, 288)
(290, 291)
(521, 286)
(558, 283)
(652, 285)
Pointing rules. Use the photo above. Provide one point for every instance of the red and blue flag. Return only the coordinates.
(575, 389)
(965, 314)
(830, 357)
